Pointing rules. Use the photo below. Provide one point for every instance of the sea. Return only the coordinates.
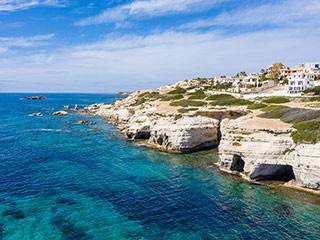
(60, 180)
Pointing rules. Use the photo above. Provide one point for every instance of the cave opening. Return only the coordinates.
(273, 172)
(237, 163)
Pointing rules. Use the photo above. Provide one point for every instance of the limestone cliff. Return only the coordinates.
(262, 149)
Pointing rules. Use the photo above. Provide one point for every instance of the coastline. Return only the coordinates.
(256, 147)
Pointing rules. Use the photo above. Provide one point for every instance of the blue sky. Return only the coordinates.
(125, 45)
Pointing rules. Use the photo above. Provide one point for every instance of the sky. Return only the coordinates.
(105, 46)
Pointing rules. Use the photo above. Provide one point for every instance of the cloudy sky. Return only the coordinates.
(123, 45)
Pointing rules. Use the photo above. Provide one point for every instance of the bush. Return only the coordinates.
(255, 106)
(308, 132)
(178, 90)
(138, 102)
(315, 91)
(276, 100)
(221, 97)
(173, 97)
(178, 116)
(186, 103)
(314, 99)
(185, 110)
(293, 115)
(273, 108)
(236, 144)
(203, 96)
(231, 102)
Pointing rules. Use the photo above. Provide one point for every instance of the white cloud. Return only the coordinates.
(134, 62)
(15, 5)
(280, 14)
(148, 8)
(24, 42)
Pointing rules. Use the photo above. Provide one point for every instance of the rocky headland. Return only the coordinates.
(258, 139)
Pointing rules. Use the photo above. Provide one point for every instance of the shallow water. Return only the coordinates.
(64, 181)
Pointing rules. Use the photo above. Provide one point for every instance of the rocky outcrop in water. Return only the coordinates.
(34, 98)
(39, 114)
(60, 113)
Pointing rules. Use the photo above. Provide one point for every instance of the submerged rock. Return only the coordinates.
(15, 213)
(60, 113)
(34, 98)
(85, 122)
(283, 210)
(35, 114)
(66, 201)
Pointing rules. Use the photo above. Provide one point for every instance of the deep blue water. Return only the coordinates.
(64, 181)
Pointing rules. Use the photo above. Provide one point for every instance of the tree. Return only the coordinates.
(262, 71)
(285, 81)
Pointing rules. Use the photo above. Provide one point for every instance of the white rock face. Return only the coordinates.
(263, 150)
(61, 113)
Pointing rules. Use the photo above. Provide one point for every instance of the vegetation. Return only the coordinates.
(231, 102)
(172, 97)
(187, 103)
(293, 115)
(315, 91)
(307, 132)
(185, 110)
(138, 102)
(178, 90)
(177, 116)
(200, 96)
(221, 97)
(288, 150)
(276, 100)
(255, 106)
(236, 144)
(222, 86)
(273, 108)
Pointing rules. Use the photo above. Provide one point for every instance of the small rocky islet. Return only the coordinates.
(255, 138)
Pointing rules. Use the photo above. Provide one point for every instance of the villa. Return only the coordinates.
(300, 81)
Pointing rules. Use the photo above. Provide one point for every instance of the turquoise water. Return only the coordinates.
(64, 181)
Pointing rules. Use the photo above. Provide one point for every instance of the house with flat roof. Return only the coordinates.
(299, 82)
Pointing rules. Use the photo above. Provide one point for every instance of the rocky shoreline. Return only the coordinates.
(257, 148)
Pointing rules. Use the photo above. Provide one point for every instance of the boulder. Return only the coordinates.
(35, 114)
(85, 122)
(60, 113)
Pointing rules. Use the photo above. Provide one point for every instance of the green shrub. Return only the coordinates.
(187, 103)
(273, 108)
(315, 91)
(255, 106)
(288, 150)
(314, 99)
(185, 110)
(172, 97)
(199, 92)
(293, 115)
(221, 97)
(177, 116)
(308, 132)
(276, 100)
(236, 144)
(178, 90)
(231, 102)
(138, 102)
(143, 94)
(199, 96)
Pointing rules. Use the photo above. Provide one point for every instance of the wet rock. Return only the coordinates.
(66, 201)
(85, 122)
(76, 108)
(96, 129)
(15, 213)
(39, 114)
(60, 113)
(283, 210)
(66, 108)
(34, 98)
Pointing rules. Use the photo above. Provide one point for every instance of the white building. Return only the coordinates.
(299, 82)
